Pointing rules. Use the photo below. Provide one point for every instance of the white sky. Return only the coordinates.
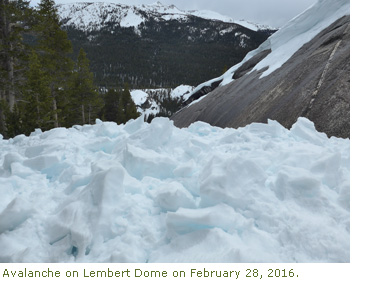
(271, 12)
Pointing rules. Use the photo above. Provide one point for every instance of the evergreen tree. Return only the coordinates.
(85, 102)
(37, 100)
(14, 121)
(111, 103)
(127, 108)
(119, 107)
(54, 48)
(13, 22)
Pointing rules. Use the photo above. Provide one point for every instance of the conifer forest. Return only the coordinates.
(41, 87)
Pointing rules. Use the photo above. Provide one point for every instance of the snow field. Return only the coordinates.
(154, 193)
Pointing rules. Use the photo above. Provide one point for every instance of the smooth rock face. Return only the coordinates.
(313, 83)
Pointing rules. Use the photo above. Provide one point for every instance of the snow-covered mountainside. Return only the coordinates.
(290, 75)
(155, 193)
(155, 46)
(94, 16)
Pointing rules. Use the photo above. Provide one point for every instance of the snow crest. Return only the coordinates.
(95, 16)
(154, 193)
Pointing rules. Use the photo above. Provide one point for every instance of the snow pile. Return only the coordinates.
(290, 38)
(155, 193)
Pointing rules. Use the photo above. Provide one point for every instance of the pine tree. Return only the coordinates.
(14, 121)
(37, 100)
(54, 48)
(13, 22)
(111, 103)
(85, 102)
(127, 108)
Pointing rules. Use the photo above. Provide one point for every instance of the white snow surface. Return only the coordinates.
(94, 16)
(211, 15)
(154, 193)
(183, 91)
(139, 96)
(290, 38)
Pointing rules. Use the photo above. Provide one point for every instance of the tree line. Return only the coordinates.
(40, 85)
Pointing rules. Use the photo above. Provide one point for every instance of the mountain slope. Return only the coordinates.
(94, 16)
(302, 70)
(156, 45)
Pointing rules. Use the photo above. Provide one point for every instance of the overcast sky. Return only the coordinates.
(271, 12)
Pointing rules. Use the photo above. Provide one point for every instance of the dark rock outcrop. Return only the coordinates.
(203, 91)
(313, 83)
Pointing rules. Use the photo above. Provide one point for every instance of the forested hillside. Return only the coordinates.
(152, 46)
(40, 85)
